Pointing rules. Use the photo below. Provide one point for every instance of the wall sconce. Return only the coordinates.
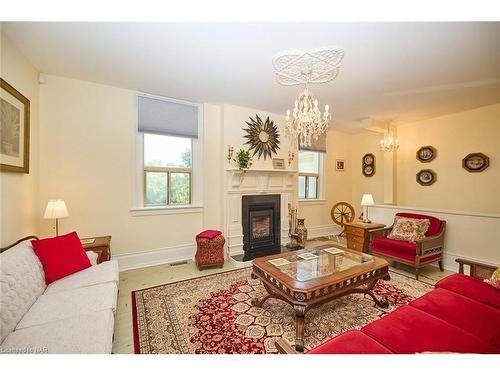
(291, 156)
(230, 151)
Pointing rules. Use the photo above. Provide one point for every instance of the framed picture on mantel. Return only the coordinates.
(14, 130)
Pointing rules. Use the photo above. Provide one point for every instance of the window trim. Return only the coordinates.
(196, 181)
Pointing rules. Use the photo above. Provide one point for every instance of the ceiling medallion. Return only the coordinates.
(263, 137)
(321, 65)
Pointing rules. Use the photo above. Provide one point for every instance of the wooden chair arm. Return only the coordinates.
(431, 242)
(379, 232)
(477, 270)
(284, 347)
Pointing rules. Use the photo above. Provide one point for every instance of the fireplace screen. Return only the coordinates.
(261, 226)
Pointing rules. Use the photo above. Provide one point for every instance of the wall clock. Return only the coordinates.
(475, 162)
(426, 154)
(426, 177)
(263, 137)
(368, 165)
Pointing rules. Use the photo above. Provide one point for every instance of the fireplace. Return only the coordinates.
(261, 225)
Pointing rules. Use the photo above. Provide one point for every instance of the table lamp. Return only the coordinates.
(56, 209)
(366, 201)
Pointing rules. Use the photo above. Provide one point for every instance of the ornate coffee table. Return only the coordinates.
(310, 277)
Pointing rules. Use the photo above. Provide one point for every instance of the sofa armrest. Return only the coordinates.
(284, 347)
(431, 242)
(477, 270)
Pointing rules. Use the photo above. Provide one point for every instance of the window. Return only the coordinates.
(169, 151)
(167, 170)
(310, 167)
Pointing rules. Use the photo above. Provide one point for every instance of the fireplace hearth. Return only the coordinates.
(261, 225)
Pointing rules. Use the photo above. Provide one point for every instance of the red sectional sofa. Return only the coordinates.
(461, 315)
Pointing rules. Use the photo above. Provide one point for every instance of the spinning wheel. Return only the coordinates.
(341, 213)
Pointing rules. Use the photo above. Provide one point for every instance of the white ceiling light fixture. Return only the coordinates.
(319, 65)
(389, 143)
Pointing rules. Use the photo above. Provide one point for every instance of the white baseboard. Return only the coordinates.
(322, 230)
(155, 257)
(449, 263)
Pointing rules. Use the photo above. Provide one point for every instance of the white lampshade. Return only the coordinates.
(56, 209)
(367, 200)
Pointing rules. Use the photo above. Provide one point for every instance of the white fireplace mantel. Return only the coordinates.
(255, 182)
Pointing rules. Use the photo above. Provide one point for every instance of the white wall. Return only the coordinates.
(20, 211)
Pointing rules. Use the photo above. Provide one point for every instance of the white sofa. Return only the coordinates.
(72, 315)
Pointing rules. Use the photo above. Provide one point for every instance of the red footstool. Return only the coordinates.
(209, 249)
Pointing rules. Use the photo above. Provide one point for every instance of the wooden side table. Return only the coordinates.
(101, 246)
(357, 235)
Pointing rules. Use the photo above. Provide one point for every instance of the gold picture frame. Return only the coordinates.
(14, 130)
(278, 163)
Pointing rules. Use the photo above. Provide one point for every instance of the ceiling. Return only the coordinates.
(400, 72)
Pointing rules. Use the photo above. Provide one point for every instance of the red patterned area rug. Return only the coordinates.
(213, 314)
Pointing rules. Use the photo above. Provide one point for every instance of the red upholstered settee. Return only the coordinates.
(460, 315)
(416, 254)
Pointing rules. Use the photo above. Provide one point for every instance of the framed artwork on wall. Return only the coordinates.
(262, 137)
(340, 165)
(278, 163)
(14, 130)
(475, 162)
(368, 165)
(426, 177)
(426, 154)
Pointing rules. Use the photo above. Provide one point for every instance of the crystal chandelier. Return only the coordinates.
(389, 143)
(306, 123)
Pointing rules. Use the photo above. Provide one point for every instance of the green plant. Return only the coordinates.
(243, 160)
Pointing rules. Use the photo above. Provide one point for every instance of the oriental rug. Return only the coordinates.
(213, 314)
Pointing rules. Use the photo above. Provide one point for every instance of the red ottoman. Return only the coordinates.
(209, 249)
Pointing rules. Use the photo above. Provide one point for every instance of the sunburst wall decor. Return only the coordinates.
(263, 137)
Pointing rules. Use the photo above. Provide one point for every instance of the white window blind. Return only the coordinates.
(167, 117)
(318, 145)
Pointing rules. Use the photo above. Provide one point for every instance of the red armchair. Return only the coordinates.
(416, 254)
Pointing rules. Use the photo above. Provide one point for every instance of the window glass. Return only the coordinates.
(156, 189)
(179, 188)
(302, 187)
(312, 190)
(167, 151)
(308, 162)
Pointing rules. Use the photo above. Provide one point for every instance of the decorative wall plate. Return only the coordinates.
(426, 177)
(475, 162)
(426, 154)
(368, 165)
(263, 138)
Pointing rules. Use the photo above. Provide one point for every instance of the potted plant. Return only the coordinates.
(243, 160)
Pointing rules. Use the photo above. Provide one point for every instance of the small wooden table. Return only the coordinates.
(308, 283)
(357, 235)
(101, 246)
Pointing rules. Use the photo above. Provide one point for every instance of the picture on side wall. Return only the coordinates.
(368, 165)
(340, 165)
(475, 162)
(426, 154)
(426, 177)
(14, 129)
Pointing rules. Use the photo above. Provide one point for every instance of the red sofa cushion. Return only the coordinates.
(399, 255)
(434, 227)
(402, 247)
(408, 330)
(472, 288)
(474, 317)
(350, 342)
(61, 256)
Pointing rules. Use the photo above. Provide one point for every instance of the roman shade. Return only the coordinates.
(160, 116)
(318, 145)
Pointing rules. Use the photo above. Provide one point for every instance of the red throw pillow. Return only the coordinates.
(61, 256)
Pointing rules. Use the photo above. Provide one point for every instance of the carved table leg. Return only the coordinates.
(258, 302)
(299, 324)
(367, 290)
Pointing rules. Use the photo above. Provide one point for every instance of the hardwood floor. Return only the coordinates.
(146, 277)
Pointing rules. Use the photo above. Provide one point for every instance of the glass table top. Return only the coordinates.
(314, 263)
